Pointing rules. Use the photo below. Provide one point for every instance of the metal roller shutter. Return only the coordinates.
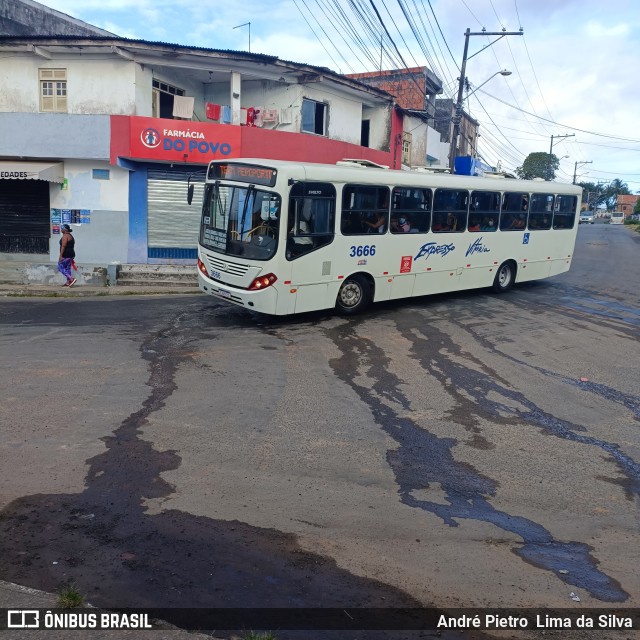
(173, 224)
(24, 216)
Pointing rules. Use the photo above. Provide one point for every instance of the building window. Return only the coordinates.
(365, 130)
(406, 149)
(101, 174)
(314, 115)
(53, 90)
(162, 99)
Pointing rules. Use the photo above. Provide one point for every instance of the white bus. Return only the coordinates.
(288, 237)
(617, 217)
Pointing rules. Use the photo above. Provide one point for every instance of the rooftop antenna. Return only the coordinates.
(244, 25)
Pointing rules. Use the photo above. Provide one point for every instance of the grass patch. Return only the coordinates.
(267, 635)
(70, 598)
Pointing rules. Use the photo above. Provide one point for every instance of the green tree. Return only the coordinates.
(611, 192)
(592, 194)
(636, 208)
(539, 165)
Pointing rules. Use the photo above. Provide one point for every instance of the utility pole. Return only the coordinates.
(575, 171)
(453, 147)
(567, 135)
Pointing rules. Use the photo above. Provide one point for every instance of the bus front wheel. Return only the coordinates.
(505, 277)
(354, 295)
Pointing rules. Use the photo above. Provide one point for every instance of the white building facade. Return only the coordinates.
(103, 133)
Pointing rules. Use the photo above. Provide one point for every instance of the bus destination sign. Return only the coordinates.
(243, 173)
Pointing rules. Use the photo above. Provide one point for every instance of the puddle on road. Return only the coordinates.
(423, 459)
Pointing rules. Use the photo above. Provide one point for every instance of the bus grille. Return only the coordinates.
(231, 268)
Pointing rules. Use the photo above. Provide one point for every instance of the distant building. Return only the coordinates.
(468, 138)
(626, 204)
(415, 90)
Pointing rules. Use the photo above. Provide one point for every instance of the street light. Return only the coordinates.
(503, 72)
(458, 115)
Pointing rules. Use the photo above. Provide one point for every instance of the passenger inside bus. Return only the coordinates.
(512, 221)
(539, 222)
(400, 224)
(445, 225)
(376, 222)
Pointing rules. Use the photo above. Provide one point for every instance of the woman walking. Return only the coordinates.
(67, 254)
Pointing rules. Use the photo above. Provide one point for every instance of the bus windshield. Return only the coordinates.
(240, 221)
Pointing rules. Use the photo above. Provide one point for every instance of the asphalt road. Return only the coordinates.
(462, 450)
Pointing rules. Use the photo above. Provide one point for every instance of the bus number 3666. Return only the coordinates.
(363, 250)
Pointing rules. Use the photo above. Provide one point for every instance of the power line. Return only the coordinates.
(593, 133)
(315, 34)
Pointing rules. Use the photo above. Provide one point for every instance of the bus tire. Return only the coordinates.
(505, 277)
(354, 295)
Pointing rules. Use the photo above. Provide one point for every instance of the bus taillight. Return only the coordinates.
(202, 268)
(262, 282)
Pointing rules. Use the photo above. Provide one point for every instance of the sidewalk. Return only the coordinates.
(13, 596)
(82, 290)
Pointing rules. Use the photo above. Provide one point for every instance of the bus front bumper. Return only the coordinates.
(263, 301)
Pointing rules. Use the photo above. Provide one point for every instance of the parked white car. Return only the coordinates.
(586, 217)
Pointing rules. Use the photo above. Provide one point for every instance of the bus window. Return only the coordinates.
(564, 215)
(410, 210)
(450, 210)
(484, 210)
(513, 216)
(240, 221)
(365, 209)
(311, 217)
(541, 211)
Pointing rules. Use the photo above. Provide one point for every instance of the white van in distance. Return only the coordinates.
(617, 217)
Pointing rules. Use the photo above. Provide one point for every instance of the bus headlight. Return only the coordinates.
(262, 282)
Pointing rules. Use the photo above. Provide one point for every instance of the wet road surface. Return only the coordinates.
(322, 461)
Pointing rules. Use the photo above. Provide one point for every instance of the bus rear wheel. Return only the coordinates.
(505, 277)
(354, 295)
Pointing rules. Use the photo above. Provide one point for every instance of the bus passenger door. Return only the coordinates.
(311, 227)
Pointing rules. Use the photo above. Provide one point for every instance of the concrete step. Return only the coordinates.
(157, 268)
(158, 282)
(158, 275)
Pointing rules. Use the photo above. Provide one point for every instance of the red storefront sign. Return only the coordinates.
(162, 139)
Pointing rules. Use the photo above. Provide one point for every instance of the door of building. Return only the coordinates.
(173, 224)
(25, 225)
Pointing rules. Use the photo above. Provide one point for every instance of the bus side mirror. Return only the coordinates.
(190, 193)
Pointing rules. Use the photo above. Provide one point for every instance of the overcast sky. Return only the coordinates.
(574, 69)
